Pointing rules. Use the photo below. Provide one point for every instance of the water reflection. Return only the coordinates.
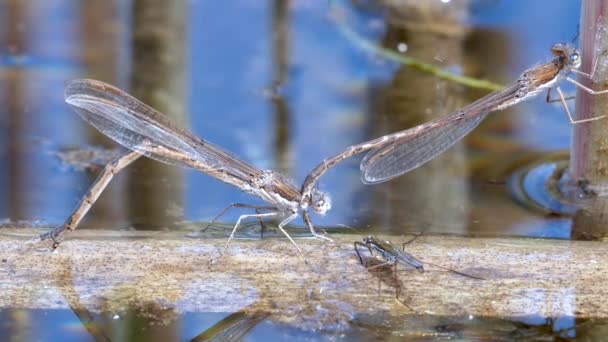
(435, 192)
(201, 327)
(96, 52)
(281, 67)
(158, 62)
(233, 327)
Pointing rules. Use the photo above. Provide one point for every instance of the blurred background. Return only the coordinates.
(283, 85)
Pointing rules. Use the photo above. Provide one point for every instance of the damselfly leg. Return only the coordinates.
(312, 228)
(280, 226)
(87, 201)
(257, 208)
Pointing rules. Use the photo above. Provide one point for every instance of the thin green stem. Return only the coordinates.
(367, 45)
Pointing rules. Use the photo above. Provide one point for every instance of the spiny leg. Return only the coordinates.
(87, 201)
(238, 222)
(563, 100)
(283, 224)
(585, 88)
(312, 228)
(237, 205)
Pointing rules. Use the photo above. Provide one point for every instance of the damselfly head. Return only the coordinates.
(567, 54)
(320, 202)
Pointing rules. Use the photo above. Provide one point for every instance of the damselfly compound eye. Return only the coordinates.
(575, 59)
(321, 202)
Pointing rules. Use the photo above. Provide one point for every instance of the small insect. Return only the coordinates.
(391, 256)
(389, 253)
(394, 256)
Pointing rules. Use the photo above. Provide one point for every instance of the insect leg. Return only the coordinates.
(238, 222)
(312, 228)
(237, 205)
(563, 100)
(87, 201)
(285, 222)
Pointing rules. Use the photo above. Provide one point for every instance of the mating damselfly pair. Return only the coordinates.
(145, 131)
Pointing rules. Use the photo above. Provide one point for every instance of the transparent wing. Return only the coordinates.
(140, 128)
(407, 258)
(413, 150)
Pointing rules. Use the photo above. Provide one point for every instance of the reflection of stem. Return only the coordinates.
(232, 328)
(158, 79)
(369, 46)
(69, 293)
(98, 52)
(280, 32)
(14, 101)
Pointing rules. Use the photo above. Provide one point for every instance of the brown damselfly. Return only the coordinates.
(395, 154)
(145, 131)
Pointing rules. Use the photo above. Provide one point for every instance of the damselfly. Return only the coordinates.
(397, 153)
(145, 131)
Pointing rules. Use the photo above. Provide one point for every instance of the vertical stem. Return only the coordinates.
(429, 32)
(98, 50)
(280, 55)
(158, 79)
(14, 102)
(589, 153)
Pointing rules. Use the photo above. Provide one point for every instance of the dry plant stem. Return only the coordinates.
(117, 270)
(589, 157)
